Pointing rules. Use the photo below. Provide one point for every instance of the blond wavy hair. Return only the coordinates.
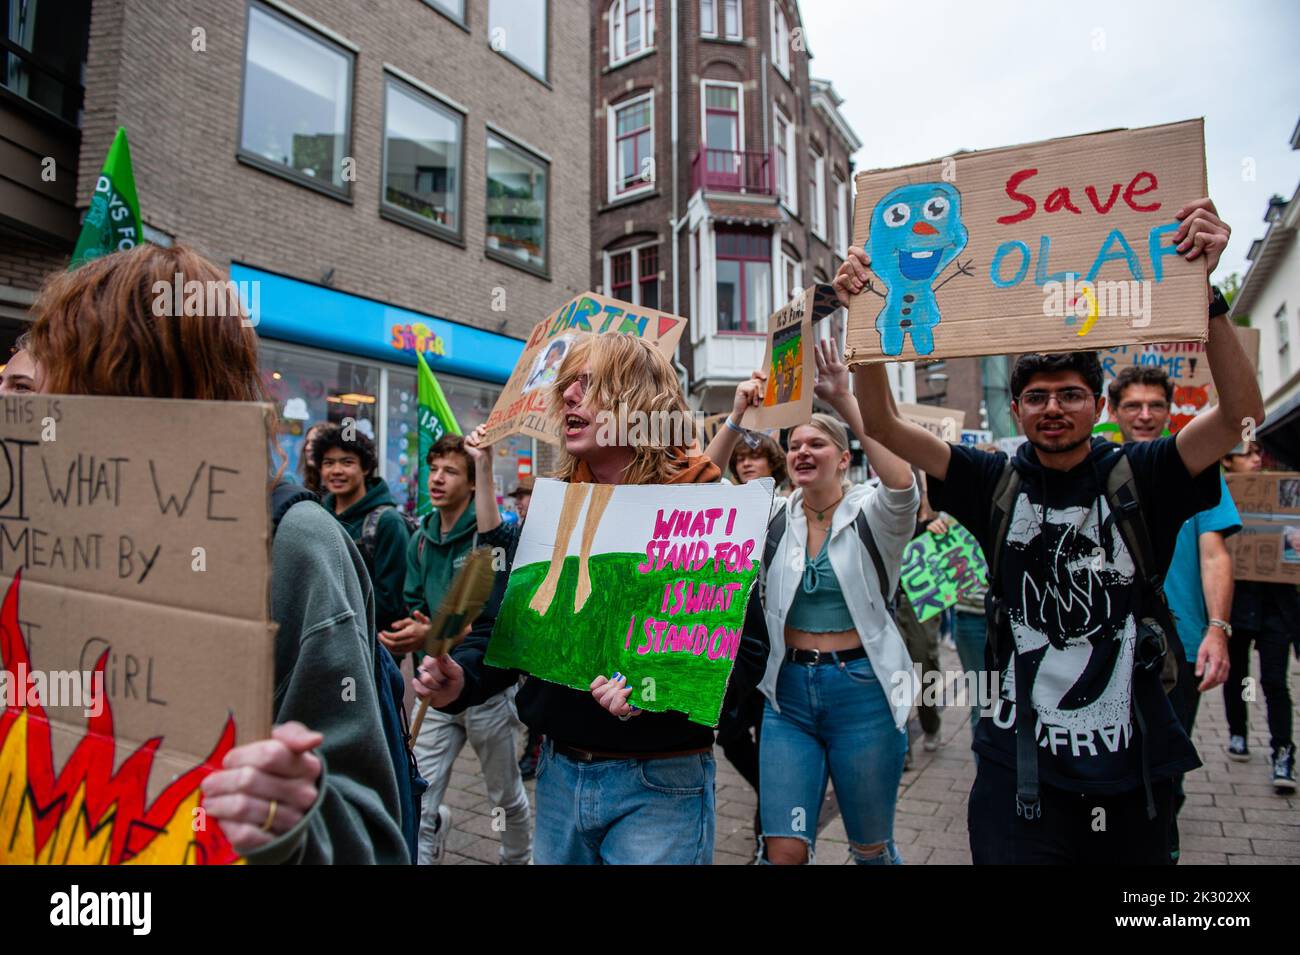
(623, 370)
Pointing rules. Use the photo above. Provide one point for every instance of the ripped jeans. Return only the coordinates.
(835, 723)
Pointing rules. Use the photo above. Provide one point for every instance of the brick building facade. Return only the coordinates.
(392, 176)
(721, 190)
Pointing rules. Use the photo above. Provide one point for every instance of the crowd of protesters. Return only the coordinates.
(1083, 706)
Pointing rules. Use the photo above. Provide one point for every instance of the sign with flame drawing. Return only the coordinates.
(135, 643)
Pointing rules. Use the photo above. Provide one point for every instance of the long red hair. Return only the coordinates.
(99, 330)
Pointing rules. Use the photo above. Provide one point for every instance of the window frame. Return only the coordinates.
(842, 225)
(613, 155)
(646, 12)
(742, 311)
(718, 31)
(817, 197)
(740, 112)
(781, 58)
(634, 266)
(790, 147)
(545, 77)
(519, 148)
(247, 157)
(395, 213)
(462, 21)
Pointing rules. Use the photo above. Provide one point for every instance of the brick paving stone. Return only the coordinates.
(1231, 817)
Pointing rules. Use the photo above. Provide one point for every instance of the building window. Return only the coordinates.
(817, 194)
(780, 40)
(744, 281)
(633, 275)
(631, 152)
(297, 101)
(631, 28)
(792, 275)
(517, 30)
(729, 28)
(841, 216)
(45, 60)
(516, 204)
(453, 8)
(422, 158)
(785, 167)
(1283, 343)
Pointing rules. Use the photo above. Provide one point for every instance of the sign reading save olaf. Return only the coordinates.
(1055, 246)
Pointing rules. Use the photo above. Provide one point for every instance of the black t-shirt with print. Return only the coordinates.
(1067, 580)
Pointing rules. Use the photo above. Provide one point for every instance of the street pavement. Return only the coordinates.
(1232, 815)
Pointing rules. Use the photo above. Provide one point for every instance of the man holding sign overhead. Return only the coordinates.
(1078, 534)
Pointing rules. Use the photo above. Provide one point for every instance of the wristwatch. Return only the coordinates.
(1218, 304)
(1222, 625)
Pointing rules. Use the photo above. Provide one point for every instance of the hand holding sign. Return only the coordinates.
(1202, 231)
(438, 682)
(263, 789)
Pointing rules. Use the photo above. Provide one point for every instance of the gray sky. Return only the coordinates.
(976, 75)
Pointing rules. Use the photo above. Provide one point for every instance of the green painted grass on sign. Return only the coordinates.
(574, 649)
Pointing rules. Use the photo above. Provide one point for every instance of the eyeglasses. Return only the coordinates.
(1134, 407)
(1070, 399)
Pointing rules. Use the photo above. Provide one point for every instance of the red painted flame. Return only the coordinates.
(111, 799)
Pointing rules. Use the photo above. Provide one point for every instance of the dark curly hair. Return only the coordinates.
(331, 437)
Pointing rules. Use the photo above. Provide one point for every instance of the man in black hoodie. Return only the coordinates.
(363, 504)
(1080, 704)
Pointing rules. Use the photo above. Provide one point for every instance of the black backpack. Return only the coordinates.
(370, 530)
(1158, 646)
(390, 686)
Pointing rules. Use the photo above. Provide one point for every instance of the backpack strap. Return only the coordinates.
(1126, 513)
(869, 542)
(369, 531)
(775, 531)
(1001, 507)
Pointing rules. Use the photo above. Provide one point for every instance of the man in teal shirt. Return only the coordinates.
(1198, 585)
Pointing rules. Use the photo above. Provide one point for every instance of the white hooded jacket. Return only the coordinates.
(891, 515)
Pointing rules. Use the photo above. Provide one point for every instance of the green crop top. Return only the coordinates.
(819, 605)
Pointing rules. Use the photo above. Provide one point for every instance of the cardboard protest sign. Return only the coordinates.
(1188, 370)
(649, 581)
(943, 422)
(1268, 546)
(1053, 246)
(940, 569)
(525, 400)
(789, 361)
(135, 636)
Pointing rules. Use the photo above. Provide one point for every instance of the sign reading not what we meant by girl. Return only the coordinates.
(649, 581)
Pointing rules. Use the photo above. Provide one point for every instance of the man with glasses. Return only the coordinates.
(1080, 746)
(1198, 585)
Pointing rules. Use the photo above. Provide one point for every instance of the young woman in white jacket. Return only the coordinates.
(838, 683)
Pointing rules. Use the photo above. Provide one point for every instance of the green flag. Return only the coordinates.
(113, 219)
(435, 419)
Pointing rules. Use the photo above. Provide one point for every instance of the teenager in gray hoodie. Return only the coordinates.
(328, 793)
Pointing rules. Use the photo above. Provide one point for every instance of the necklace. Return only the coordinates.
(821, 514)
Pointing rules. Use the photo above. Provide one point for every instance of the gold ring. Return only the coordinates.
(270, 816)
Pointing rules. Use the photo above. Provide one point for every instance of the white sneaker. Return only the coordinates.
(439, 843)
(931, 742)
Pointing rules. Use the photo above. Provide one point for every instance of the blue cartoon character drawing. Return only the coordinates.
(916, 231)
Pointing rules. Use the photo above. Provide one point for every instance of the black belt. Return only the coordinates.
(600, 756)
(814, 657)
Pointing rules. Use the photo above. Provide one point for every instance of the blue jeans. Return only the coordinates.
(970, 635)
(624, 812)
(835, 723)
